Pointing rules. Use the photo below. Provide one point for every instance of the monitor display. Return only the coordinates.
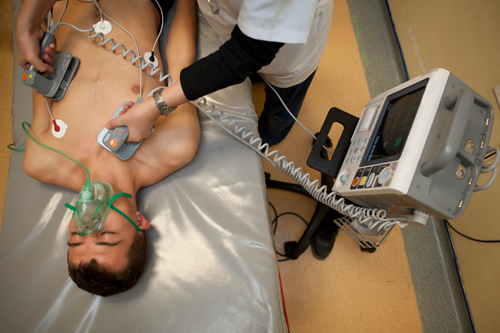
(393, 130)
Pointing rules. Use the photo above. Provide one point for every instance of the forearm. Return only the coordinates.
(29, 33)
(32, 14)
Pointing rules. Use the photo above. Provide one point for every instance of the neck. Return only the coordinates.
(121, 180)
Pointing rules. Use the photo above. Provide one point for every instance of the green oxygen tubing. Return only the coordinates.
(24, 124)
(85, 193)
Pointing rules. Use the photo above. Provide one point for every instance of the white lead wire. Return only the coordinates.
(161, 28)
(291, 114)
(47, 102)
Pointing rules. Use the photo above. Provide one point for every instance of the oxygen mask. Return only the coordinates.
(93, 205)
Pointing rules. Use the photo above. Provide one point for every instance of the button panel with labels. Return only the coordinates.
(373, 176)
(356, 151)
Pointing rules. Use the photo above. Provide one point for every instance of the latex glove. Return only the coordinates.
(139, 119)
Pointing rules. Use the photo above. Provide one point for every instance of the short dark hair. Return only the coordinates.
(95, 279)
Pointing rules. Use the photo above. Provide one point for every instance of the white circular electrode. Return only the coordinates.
(146, 58)
(103, 26)
(62, 129)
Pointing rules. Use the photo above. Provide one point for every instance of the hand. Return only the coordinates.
(28, 50)
(138, 118)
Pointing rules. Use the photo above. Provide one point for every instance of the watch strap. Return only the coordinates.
(160, 103)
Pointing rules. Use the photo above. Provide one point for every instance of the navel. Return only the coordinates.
(136, 89)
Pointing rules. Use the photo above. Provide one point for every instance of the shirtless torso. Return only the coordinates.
(102, 83)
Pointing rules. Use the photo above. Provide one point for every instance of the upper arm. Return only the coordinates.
(181, 47)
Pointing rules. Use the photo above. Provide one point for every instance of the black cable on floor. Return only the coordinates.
(276, 227)
(275, 223)
(475, 240)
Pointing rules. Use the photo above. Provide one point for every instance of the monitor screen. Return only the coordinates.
(393, 130)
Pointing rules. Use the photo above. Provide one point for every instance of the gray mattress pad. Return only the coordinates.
(211, 261)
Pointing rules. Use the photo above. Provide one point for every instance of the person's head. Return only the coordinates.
(111, 260)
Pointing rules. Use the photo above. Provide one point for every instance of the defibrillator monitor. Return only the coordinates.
(418, 146)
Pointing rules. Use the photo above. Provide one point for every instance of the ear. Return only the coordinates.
(142, 222)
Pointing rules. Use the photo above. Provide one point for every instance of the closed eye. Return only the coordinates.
(98, 243)
(109, 244)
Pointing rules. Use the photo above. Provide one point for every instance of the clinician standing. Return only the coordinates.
(281, 40)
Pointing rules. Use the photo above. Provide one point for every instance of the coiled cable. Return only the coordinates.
(135, 42)
(142, 64)
(372, 217)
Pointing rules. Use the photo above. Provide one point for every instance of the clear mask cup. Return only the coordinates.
(92, 208)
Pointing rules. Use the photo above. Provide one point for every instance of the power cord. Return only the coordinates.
(475, 240)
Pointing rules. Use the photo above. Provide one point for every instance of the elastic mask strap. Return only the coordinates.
(116, 196)
(73, 208)
(67, 205)
(110, 203)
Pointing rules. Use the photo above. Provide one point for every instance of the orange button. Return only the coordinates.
(25, 77)
(355, 181)
(113, 143)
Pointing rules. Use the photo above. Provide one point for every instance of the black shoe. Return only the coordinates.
(322, 244)
(324, 236)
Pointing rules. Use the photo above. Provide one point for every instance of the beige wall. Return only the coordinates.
(463, 36)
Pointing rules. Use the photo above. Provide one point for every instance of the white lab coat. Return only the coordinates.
(303, 25)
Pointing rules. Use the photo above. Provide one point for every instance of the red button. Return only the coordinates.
(25, 77)
(113, 143)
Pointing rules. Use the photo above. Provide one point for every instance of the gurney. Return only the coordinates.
(211, 261)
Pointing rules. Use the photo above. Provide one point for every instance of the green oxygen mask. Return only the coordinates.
(94, 201)
(93, 206)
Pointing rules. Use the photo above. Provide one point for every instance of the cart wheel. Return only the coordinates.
(368, 249)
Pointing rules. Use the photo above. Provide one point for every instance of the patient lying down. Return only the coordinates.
(111, 260)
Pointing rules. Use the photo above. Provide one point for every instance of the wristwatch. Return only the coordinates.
(160, 103)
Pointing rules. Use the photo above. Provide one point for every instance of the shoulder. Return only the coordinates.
(49, 167)
(172, 145)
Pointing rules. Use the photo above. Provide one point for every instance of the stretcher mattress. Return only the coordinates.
(211, 262)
